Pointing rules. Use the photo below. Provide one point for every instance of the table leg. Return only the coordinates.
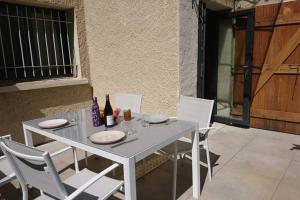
(196, 166)
(175, 171)
(129, 179)
(28, 137)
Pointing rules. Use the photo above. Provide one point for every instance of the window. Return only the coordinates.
(35, 43)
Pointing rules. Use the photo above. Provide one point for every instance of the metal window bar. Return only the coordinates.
(46, 42)
(30, 48)
(53, 38)
(11, 41)
(61, 43)
(4, 60)
(45, 52)
(29, 66)
(68, 41)
(38, 41)
(41, 19)
(20, 40)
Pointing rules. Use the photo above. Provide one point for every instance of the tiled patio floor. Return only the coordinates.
(248, 164)
(253, 164)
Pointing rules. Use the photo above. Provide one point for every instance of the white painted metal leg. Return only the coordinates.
(86, 158)
(24, 192)
(175, 172)
(75, 160)
(129, 179)
(196, 166)
(28, 137)
(144, 166)
(114, 170)
(208, 159)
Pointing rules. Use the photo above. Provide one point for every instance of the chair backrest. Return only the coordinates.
(195, 110)
(131, 101)
(33, 167)
(2, 156)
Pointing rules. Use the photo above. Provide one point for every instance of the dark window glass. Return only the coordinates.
(35, 43)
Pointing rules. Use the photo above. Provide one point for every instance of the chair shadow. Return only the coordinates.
(295, 147)
(156, 185)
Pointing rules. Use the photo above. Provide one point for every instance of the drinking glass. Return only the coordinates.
(127, 127)
(145, 121)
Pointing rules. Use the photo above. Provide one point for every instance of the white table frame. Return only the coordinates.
(128, 163)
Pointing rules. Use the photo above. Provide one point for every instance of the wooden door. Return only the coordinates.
(276, 68)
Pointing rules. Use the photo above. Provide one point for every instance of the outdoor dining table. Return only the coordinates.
(143, 142)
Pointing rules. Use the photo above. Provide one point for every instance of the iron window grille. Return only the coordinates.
(35, 43)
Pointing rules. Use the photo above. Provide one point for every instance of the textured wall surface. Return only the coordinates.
(133, 48)
(25, 105)
(188, 47)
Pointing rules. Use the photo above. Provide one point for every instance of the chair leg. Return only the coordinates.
(144, 166)
(24, 192)
(75, 160)
(114, 170)
(208, 159)
(174, 172)
(86, 158)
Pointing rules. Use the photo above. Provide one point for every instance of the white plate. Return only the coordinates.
(156, 119)
(107, 137)
(53, 123)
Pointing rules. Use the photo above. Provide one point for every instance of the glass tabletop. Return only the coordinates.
(142, 138)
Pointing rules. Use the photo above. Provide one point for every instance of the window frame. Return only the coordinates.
(76, 79)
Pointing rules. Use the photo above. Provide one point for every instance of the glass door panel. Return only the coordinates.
(235, 32)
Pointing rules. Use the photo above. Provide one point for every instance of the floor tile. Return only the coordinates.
(290, 184)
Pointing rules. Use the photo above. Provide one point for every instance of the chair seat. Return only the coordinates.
(67, 160)
(101, 189)
(5, 168)
(182, 147)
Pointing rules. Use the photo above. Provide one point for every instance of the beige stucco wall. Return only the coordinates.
(188, 47)
(20, 106)
(133, 48)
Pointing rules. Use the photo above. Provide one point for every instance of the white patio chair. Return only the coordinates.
(35, 168)
(195, 110)
(5, 167)
(70, 154)
(131, 101)
(54, 147)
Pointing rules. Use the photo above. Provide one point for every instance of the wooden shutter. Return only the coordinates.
(276, 68)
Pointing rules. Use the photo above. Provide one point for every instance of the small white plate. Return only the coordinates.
(107, 137)
(156, 119)
(53, 123)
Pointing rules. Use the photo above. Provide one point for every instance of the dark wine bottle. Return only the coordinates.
(108, 113)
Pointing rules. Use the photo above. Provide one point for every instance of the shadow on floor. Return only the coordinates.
(156, 185)
(295, 147)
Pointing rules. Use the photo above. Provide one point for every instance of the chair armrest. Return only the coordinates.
(6, 137)
(60, 151)
(91, 181)
(206, 129)
(184, 139)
